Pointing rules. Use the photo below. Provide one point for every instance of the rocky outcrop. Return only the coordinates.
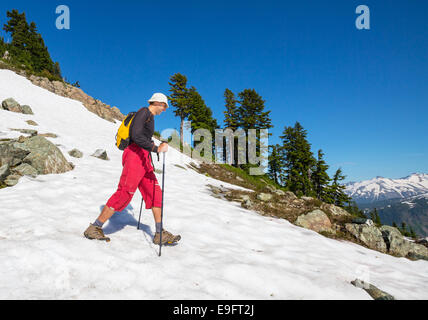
(30, 156)
(264, 196)
(100, 154)
(65, 90)
(75, 153)
(369, 235)
(373, 291)
(395, 242)
(334, 210)
(315, 220)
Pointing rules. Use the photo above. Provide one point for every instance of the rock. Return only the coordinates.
(373, 291)
(12, 180)
(11, 155)
(307, 198)
(418, 251)
(239, 178)
(245, 197)
(26, 131)
(423, 241)
(289, 196)
(11, 105)
(315, 220)
(4, 172)
(269, 188)
(395, 242)
(247, 204)
(48, 135)
(264, 196)
(26, 109)
(43, 155)
(279, 192)
(100, 154)
(75, 153)
(334, 210)
(24, 169)
(369, 235)
(363, 221)
(32, 123)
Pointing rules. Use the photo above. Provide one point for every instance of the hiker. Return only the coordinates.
(138, 173)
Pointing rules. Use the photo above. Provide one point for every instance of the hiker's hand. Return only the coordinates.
(163, 147)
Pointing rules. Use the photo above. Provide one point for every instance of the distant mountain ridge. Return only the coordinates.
(397, 200)
(381, 189)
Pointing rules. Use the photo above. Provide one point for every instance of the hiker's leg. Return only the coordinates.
(131, 176)
(105, 214)
(152, 195)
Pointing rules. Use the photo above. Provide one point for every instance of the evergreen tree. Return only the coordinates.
(298, 160)
(394, 225)
(180, 100)
(200, 116)
(28, 48)
(276, 164)
(19, 29)
(251, 115)
(320, 178)
(231, 121)
(336, 189)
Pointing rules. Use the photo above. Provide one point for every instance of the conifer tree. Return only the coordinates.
(251, 115)
(299, 160)
(231, 121)
(320, 178)
(336, 189)
(200, 115)
(180, 100)
(276, 164)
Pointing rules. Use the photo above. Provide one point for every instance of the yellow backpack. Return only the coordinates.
(123, 134)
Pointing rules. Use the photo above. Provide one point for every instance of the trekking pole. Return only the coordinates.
(141, 207)
(163, 188)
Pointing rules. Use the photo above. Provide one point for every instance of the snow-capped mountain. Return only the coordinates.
(380, 189)
(226, 251)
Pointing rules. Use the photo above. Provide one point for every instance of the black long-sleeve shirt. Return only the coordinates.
(142, 129)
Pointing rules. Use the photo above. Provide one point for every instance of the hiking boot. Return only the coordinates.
(167, 238)
(94, 232)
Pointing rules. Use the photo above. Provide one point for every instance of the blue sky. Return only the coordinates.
(362, 95)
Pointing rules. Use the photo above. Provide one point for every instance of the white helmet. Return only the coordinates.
(159, 97)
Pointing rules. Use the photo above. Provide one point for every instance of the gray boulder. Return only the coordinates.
(373, 291)
(43, 155)
(418, 251)
(369, 235)
(279, 192)
(24, 169)
(100, 154)
(4, 172)
(247, 204)
(315, 220)
(32, 123)
(264, 196)
(12, 180)
(26, 109)
(11, 105)
(363, 221)
(10, 155)
(395, 242)
(334, 210)
(75, 153)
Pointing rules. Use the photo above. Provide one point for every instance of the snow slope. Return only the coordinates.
(226, 252)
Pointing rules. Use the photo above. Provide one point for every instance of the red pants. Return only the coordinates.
(137, 173)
